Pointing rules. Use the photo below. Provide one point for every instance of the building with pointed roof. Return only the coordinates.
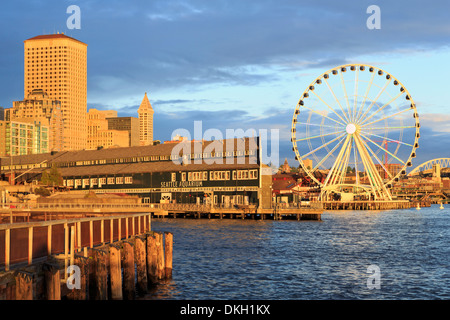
(145, 112)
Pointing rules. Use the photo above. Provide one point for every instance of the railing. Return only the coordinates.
(25, 242)
(85, 206)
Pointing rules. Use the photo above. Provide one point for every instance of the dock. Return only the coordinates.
(373, 205)
(249, 212)
(112, 256)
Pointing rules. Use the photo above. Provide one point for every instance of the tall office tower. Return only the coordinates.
(145, 112)
(57, 64)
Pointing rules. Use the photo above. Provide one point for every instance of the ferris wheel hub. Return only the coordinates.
(351, 128)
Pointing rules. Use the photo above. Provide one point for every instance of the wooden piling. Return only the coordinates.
(160, 269)
(168, 254)
(52, 279)
(81, 293)
(152, 259)
(101, 275)
(115, 272)
(141, 265)
(128, 271)
(24, 285)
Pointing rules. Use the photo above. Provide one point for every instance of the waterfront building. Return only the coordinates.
(128, 124)
(37, 107)
(185, 172)
(57, 64)
(145, 112)
(21, 138)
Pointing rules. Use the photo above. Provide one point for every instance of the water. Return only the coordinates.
(287, 260)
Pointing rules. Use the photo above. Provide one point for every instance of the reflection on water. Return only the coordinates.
(246, 259)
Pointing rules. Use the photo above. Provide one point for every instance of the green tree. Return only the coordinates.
(52, 178)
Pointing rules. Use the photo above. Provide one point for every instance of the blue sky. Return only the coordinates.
(238, 64)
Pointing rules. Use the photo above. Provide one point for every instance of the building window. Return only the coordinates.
(102, 181)
(111, 180)
(183, 176)
(128, 180)
(174, 176)
(119, 180)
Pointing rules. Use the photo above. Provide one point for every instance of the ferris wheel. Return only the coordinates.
(358, 126)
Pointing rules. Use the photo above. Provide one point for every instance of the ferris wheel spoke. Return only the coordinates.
(384, 128)
(319, 136)
(374, 178)
(345, 95)
(365, 96)
(392, 140)
(384, 106)
(328, 155)
(331, 173)
(356, 162)
(380, 147)
(373, 102)
(346, 159)
(322, 146)
(337, 100)
(387, 117)
(378, 160)
(322, 115)
(318, 96)
(316, 125)
(355, 98)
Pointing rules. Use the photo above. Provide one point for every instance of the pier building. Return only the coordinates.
(222, 172)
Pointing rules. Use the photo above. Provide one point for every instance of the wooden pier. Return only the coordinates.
(250, 212)
(97, 258)
(373, 205)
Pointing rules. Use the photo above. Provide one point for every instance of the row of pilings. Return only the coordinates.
(123, 270)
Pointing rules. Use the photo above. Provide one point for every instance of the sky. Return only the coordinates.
(238, 64)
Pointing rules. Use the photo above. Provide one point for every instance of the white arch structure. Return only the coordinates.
(443, 162)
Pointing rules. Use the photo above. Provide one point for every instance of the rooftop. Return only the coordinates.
(54, 36)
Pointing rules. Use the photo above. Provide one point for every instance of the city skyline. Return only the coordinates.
(191, 58)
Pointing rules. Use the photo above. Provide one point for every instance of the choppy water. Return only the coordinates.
(284, 260)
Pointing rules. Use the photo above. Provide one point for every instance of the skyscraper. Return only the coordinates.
(57, 64)
(145, 112)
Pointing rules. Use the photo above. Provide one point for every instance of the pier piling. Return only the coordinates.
(115, 272)
(168, 253)
(128, 271)
(141, 265)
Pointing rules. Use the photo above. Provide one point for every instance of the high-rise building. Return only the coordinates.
(21, 138)
(57, 64)
(145, 112)
(2, 113)
(129, 124)
(38, 107)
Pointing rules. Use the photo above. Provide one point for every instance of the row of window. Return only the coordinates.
(138, 159)
(97, 181)
(216, 175)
